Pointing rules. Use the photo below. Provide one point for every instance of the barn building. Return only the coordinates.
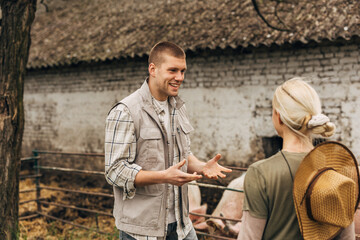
(86, 55)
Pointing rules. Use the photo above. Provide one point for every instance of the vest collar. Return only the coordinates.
(175, 102)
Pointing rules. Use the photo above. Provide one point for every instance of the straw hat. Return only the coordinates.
(326, 191)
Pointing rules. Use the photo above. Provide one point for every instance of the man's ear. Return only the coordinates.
(152, 69)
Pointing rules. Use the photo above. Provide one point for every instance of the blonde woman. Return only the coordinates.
(268, 211)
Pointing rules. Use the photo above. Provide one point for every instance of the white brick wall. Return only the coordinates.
(228, 97)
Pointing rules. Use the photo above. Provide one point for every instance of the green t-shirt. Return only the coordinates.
(268, 194)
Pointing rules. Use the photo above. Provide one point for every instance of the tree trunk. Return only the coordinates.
(17, 17)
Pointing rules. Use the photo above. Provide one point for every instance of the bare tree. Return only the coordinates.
(17, 17)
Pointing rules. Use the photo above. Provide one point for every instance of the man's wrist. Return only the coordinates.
(162, 177)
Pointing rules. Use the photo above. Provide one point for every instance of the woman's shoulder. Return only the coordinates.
(270, 161)
(276, 163)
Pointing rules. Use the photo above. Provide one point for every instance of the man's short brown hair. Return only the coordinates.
(160, 48)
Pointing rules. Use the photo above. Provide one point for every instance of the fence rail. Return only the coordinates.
(76, 208)
(214, 186)
(22, 218)
(28, 190)
(71, 170)
(29, 158)
(215, 217)
(77, 191)
(31, 200)
(69, 153)
(30, 176)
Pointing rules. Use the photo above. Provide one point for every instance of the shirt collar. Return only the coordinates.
(175, 102)
(157, 106)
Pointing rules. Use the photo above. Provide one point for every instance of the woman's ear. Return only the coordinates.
(280, 121)
(278, 118)
(278, 124)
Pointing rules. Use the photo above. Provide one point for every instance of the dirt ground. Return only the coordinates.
(45, 228)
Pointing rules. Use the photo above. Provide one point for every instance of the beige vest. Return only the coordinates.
(145, 214)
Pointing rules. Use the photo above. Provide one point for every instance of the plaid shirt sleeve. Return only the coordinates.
(120, 150)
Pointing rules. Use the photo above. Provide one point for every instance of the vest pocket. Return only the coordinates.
(151, 146)
(143, 210)
(186, 128)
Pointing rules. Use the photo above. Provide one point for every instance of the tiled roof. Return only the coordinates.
(96, 30)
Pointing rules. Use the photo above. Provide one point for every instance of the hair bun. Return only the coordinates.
(329, 129)
(320, 124)
(317, 120)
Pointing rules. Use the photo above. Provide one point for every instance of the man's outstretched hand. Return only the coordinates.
(214, 170)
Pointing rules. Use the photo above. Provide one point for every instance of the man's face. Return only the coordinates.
(165, 80)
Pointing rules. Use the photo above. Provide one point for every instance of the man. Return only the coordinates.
(147, 154)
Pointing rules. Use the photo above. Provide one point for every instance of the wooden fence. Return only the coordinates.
(36, 158)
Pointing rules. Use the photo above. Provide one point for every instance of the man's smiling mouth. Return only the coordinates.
(174, 85)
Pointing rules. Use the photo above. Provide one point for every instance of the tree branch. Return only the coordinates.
(45, 5)
(264, 20)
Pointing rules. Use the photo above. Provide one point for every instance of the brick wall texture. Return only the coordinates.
(228, 95)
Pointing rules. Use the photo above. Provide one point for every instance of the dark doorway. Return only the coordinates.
(271, 145)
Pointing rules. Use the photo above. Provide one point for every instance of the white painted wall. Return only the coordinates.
(228, 97)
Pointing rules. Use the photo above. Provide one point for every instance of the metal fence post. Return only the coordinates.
(37, 179)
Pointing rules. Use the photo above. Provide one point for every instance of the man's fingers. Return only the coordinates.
(222, 175)
(180, 164)
(215, 176)
(194, 175)
(190, 177)
(217, 157)
(187, 177)
(224, 169)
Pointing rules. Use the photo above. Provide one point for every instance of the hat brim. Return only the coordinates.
(328, 154)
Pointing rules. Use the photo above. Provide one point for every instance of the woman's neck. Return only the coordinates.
(293, 143)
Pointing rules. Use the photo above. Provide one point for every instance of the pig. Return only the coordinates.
(230, 206)
(194, 204)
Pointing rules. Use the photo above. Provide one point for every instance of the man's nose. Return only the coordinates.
(179, 76)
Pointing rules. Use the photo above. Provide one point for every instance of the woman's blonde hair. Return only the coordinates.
(299, 107)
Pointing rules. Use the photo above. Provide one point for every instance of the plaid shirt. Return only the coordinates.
(120, 152)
